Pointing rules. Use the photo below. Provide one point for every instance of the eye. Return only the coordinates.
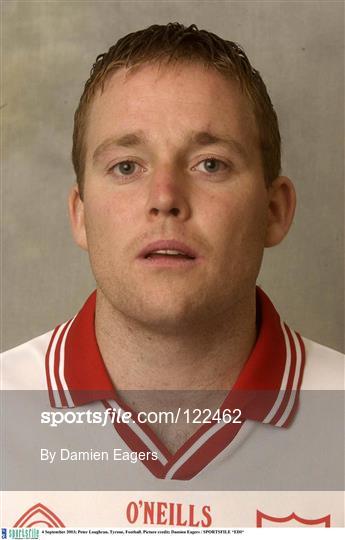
(211, 165)
(124, 168)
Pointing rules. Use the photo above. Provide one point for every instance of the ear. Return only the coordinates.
(281, 210)
(77, 218)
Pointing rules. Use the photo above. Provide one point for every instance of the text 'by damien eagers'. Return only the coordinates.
(65, 454)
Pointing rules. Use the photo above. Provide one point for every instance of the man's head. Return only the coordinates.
(174, 201)
(172, 43)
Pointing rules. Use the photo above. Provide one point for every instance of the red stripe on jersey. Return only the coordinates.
(264, 368)
(207, 452)
(299, 383)
(57, 366)
(85, 372)
(49, 382)
(188, 444)
(290, 380)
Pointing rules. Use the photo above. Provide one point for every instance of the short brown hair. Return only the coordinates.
(174, 42)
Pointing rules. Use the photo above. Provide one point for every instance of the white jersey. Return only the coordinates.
(271, 456)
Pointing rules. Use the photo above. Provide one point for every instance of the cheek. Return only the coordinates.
(237, 220)
(240, 237)
(97, 221)
(104, 216)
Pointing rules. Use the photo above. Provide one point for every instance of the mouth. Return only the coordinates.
(168, 253)
(161, 253)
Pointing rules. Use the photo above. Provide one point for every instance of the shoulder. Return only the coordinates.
(23, 367)
(324, 367)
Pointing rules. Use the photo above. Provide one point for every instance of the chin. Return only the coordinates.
(165, 316)
(164, 308)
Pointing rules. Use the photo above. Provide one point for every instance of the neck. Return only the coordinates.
(207, 357)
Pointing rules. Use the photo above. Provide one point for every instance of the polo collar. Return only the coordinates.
(266, 389)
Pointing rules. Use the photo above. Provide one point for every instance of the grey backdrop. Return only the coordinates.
(47, 51)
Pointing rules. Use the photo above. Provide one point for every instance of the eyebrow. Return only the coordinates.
(127, 140)
(197, 139)
(205, 138)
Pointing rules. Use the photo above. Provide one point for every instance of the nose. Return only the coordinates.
(168, 196)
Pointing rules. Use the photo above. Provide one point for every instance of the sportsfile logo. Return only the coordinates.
(20, 533)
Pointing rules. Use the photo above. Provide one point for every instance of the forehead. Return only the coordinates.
(168, 101)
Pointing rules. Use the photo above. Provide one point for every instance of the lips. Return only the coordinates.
(168, 249)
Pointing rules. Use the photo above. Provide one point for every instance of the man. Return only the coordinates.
(176, 150)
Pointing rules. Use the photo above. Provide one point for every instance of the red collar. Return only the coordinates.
(266, 389)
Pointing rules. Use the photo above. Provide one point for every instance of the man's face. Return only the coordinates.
(175, 204)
